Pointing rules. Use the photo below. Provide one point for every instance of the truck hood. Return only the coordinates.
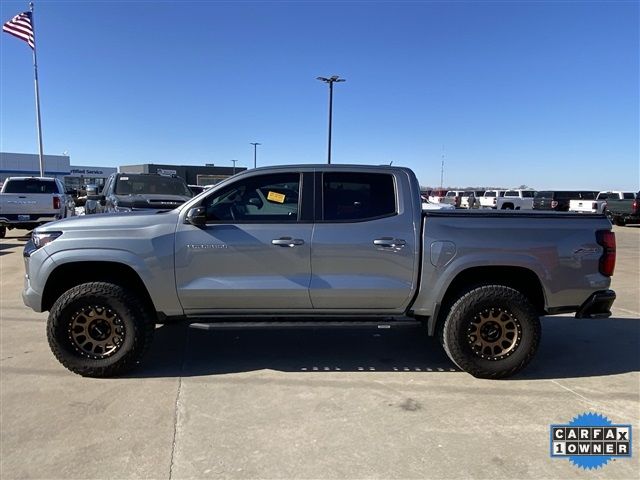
(112, 221)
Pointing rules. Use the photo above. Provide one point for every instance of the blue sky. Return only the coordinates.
(536, 93)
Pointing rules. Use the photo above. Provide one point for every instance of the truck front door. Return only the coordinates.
(253, 254)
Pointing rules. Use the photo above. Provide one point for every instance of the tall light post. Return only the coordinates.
(330, 81)
(255, 153)
(234, 166)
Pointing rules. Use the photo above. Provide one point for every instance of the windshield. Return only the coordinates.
(151, 184)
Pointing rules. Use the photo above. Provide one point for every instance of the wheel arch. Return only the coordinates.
(524, 280)
(69, 275)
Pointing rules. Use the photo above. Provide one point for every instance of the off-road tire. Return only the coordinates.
(138, 323)
(3, 232)
(455, 331)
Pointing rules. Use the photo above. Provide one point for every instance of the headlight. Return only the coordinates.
(40, 239)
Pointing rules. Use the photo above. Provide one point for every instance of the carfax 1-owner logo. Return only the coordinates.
(590, 440)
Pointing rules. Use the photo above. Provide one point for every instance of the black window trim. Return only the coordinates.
(320, 199)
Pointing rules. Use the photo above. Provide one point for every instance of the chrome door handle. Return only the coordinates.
(389, 242)
(287, 242)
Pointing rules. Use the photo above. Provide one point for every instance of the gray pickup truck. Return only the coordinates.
(314, 242)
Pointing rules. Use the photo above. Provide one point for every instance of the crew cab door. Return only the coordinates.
(253, 253)
(364, 254)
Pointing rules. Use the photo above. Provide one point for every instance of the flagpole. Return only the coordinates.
(35, 70)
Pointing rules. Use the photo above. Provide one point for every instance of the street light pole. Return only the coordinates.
(234, 166)
(255, 148)
(330, 81)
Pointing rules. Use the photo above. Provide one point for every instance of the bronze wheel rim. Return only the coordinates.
(96, 332)
(494, 334)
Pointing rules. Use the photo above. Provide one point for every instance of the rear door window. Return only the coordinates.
(349, 196)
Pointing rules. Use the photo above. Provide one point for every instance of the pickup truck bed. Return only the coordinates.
(624, 211)
(302, 242)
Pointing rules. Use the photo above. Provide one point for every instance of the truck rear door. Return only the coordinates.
(364, 253)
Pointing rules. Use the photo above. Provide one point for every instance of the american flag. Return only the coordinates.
(20, 26)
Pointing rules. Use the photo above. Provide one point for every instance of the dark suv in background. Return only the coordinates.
(126, 192)
(558, 200)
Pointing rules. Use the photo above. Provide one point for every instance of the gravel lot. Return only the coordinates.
(312, 403)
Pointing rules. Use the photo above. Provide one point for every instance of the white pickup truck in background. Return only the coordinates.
(516, 200)
(599, 205)
(490, 198)
(27, 202)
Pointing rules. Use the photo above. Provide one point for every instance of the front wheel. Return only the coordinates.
(492, 331)
(98, 329)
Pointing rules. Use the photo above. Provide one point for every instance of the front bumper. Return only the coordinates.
(598, 305)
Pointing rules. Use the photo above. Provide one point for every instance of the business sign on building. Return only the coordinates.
(93, 172)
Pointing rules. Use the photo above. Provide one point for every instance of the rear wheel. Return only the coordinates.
(97, 329)
(491, 331)
(3, 231)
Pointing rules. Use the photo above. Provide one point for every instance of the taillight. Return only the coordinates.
(634, 206)
(554, 203)
(594, 206)
(56, 203)
(495, 200)
(607, 240)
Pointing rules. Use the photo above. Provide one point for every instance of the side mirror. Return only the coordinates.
(196, 216)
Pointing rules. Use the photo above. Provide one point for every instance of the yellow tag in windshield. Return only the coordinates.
(275, 197)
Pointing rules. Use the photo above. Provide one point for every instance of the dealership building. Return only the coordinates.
(193, 174)
(58, 166)
(75, 176)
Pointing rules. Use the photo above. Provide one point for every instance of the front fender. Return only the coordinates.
(156, 273)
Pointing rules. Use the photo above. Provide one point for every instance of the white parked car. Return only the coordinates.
(454, 197)
(490, 198)
(471, 199)
(437, 196)
(516, 200)
(436, 206)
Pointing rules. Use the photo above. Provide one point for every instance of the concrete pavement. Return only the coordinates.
(312, 403)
